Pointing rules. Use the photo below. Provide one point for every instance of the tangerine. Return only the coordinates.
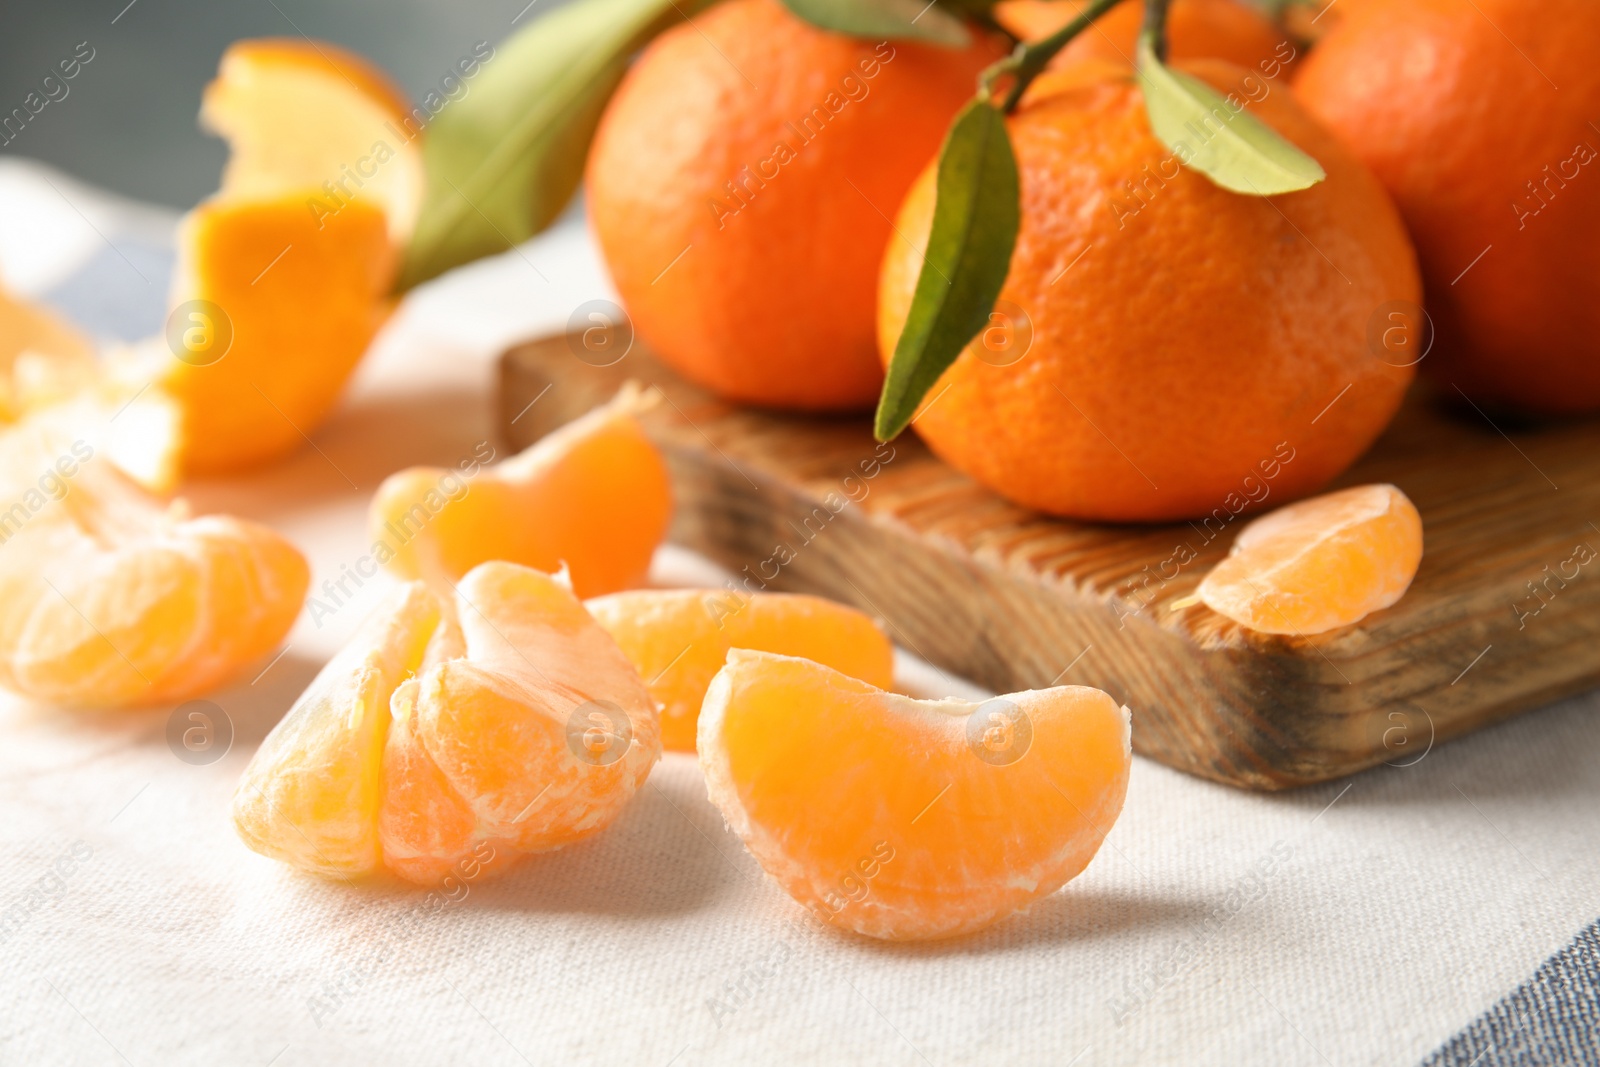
(741, 185)
(1479, 117)
(1162, 346)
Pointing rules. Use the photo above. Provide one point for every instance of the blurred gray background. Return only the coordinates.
(128, 121)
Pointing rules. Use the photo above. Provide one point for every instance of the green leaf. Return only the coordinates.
(503, 161)
(911, 20)
(976, 213)
(1232, 147)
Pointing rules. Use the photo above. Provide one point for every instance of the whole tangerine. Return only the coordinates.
(741, 185)
(1479, 117)
(1162, 347)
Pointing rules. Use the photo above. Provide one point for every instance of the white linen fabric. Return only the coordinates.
(1362, 922)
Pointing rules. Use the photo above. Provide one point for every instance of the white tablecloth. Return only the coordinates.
(1363, 922)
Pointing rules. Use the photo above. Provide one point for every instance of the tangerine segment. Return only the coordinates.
(679, 638)
(282, 305)
(37, 348)
(310, 795)
(453, 734)
(112, 601)
(593, 495)
(1319, 564)
(47, 365)
(317, 119)
(906, 819)
(533, 738)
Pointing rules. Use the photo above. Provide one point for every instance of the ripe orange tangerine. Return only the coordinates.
(109, 599)
(1319, 564)
(741, 184)
(454, 734)
(678, 639)
(910, 819)
(594, 496)
(1480, 117)
(1181, 334)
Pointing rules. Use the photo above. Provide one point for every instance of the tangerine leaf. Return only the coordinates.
(977, 209)
(911, 20)
(1224, 142)
(503, 161)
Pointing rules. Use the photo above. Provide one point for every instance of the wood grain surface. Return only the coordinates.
(1504, 615)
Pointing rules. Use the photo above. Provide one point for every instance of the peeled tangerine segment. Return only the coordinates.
(1319, 564)
(452, 735)
(48, 366)
(679, 638)
(908, 819)
(593, 496)
(36, 347)
(109, 599)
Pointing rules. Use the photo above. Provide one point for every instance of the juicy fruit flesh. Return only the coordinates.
(593, 496)
(906, 819)
(452, 734)
(110, 600)
(1320, 564)
(679, 639)
(33, 342)
(48, 366)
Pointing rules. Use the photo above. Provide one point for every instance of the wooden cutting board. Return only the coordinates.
(1504, 615)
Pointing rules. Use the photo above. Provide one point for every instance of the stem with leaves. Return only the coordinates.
(977, 209)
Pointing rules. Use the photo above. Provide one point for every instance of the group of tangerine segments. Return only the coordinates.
(485, 711)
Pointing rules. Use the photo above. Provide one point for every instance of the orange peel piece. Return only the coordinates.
(909, 819)
(313, 117)
(1319, 564)
(593, 496)
(678, 639)
(454, 734)
(283, 277)
(276, 310)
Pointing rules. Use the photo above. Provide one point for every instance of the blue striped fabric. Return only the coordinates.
(120, 292)
(1552, 1018)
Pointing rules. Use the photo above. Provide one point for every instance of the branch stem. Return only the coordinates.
(1154, 29)
(1030, 59)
